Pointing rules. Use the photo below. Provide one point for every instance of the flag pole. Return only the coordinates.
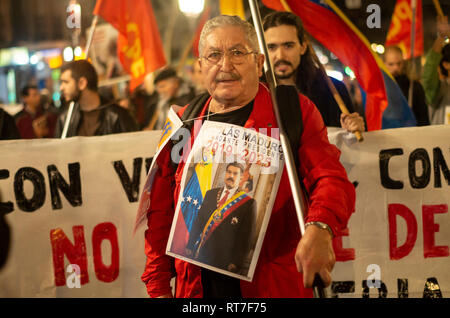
(438, 8)
(413, 41)
(72, 103)
(333, 90)
(91, 34)
(297, 194)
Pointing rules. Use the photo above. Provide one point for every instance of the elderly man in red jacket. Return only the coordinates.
(287, 263)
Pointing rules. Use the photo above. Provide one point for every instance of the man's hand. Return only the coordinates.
(442, 26)
(315, 255)
(40, 127)
(352, 122)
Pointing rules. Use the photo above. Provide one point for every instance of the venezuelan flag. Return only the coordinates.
(385, 106)
(191, 202)
(194, 192)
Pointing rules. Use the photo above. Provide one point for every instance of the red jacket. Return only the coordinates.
(331, 200)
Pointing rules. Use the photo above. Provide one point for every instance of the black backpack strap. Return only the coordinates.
(194, 108)
(291, 115)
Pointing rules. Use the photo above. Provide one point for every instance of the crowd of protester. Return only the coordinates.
(146, 109)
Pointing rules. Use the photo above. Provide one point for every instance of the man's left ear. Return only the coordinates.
(303, 47)
(260, 61)
(82, 83)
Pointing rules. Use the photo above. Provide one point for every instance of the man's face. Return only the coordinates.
(394, 62)
(167, 88)
(33, 99)
(232, 177)
(285, 50)
(229, 83)
(69, 87)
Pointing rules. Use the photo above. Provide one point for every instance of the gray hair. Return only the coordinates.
(228, 20)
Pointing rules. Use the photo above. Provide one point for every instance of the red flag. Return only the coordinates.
(139, 45)
(401, 25)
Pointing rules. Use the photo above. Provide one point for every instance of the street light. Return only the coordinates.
(191, 8)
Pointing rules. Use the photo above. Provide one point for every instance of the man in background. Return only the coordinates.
(172, 90)
(33, 121)
(436, 75)
(294, 64)
(395, 64)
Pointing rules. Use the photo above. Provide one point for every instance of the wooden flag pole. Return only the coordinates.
(413, 42)
(334, 91)
(438, 8)
(91, 35)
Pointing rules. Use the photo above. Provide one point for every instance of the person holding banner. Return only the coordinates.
(294, 64)
(436, 76)
(287, 264)
(92, 115)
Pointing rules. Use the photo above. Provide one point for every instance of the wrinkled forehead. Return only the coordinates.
(226, 37)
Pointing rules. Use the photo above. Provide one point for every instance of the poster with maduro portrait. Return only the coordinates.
(227, 191)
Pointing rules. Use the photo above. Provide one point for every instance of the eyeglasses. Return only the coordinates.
(236, 56)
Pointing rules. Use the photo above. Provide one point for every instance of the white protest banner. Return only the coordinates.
(74, 201)
(70, 206)
(399, 236)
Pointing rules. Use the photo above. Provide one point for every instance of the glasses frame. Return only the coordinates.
(229, 53)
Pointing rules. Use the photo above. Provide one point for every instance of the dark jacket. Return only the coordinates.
(419, 104)
(113, 120)
(322, 97)
(8, 128)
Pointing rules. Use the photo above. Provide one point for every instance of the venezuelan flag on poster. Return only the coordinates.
(399, 33)
(139, 45)
(191, 201)
(194, 192)
(328, 25)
